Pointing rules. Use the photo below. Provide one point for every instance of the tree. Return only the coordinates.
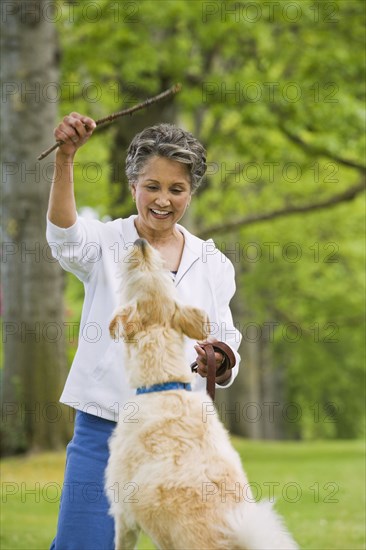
(32, 283)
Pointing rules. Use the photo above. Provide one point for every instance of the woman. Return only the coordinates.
(164, 166)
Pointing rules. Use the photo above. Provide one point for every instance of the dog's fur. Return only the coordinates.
(177, 475)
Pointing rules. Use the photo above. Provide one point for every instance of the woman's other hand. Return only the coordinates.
(74, 130)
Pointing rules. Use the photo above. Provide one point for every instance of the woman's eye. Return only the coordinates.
(152, 187)
(177, 191)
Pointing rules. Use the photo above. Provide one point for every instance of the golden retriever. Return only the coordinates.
(172, 470)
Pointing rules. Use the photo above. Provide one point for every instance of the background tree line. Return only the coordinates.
(275, 92)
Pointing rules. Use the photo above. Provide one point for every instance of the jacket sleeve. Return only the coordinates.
(224, 291)
(77, 248)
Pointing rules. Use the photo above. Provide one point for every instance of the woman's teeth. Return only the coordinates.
(160, 212)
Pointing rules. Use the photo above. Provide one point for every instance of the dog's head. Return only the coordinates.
(149, 296)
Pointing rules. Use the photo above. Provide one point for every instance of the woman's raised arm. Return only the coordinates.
(74, 131)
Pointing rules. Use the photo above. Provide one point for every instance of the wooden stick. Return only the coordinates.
(108, 119)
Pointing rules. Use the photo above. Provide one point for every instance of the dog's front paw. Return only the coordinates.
(114, 328)
(125, 323)
(192, 321)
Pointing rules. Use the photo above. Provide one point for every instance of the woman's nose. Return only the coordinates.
(162, 200)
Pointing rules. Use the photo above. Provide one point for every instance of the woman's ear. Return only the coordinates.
(133, 191)
(192, 321)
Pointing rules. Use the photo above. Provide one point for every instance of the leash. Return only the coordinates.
(228, 363)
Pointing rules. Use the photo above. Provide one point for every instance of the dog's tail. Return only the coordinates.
(256, 526)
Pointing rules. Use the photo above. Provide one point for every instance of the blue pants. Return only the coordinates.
(84, 523)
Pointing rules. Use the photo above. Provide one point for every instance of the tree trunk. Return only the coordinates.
(272, 404)
(33, 328)
(253, 406)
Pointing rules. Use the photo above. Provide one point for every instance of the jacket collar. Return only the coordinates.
(193, 246)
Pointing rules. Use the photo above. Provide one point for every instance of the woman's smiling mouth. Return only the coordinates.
(159, 213)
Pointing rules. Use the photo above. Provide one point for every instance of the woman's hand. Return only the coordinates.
(74, 131)
(201, 361)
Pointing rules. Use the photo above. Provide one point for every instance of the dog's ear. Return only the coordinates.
(191, 321)
(125, 323)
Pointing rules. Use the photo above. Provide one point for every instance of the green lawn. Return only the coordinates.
(318, 486)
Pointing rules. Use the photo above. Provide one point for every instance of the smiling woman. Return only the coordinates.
(164, 166)
(162, 194)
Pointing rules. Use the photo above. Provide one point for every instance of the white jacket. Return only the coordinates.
(93, 250)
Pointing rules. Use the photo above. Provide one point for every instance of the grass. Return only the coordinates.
(318, 486)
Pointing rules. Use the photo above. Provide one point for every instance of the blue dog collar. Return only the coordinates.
(164, 387)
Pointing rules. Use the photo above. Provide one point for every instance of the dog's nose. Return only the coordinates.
(141, 243)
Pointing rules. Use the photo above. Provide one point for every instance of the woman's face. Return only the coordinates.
(162, 193)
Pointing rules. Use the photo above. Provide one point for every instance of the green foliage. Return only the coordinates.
(275, 92)
(307, 286)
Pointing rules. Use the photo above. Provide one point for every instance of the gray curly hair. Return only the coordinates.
(169, 141)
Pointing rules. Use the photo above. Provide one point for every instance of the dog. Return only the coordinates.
(179, 478)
